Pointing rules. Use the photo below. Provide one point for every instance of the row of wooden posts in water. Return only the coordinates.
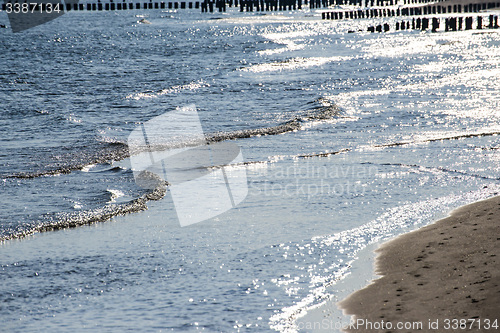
(205, 5)
(220, 5)
(450, 24)
(409, 11)
(279, 5)
(380, 3)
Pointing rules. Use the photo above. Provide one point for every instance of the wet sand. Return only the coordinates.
(438, 274)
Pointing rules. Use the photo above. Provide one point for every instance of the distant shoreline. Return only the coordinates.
(439, 274)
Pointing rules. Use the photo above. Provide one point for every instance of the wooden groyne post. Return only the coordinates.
(451, 24)
(409, 11)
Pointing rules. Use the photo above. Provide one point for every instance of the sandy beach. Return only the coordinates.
(442, 276)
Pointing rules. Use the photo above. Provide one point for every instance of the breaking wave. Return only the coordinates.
(102, 214)
(106, 152)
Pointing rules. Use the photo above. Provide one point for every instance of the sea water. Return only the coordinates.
(348, 139)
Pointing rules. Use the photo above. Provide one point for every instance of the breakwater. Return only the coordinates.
(429, 9)
(435, 24)
(205, 5)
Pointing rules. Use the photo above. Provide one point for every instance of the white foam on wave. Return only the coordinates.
(288, 39)
(171, 90)
(87, 168)
(293, 63)
(115, 194)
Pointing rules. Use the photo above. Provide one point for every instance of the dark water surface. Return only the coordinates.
(350, 139)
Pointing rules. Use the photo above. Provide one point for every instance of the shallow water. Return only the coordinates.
(370, 135)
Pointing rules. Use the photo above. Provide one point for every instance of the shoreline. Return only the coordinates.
(446, 271)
